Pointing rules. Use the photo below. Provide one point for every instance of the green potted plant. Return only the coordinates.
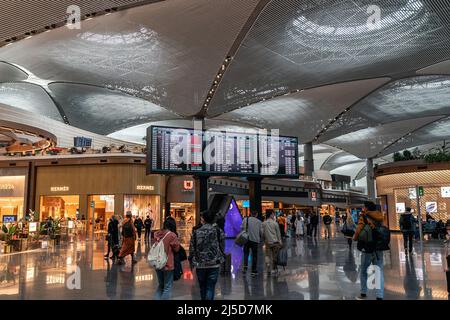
(55, 231)
(12, 243)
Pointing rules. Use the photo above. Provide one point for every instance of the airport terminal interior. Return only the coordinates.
(164, 109)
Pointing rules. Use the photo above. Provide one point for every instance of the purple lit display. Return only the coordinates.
(233, 220)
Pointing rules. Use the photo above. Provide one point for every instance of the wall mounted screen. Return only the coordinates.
(221, 153)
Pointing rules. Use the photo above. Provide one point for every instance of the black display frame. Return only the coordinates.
(151, 170)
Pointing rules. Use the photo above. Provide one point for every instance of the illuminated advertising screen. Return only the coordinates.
(222, 153)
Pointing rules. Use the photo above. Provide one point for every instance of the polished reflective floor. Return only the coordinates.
(317, 269)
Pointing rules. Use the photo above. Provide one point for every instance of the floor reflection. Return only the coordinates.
(317, 269)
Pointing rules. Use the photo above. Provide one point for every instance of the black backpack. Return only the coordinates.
(406, 222)
(127, 230)
(376, 239)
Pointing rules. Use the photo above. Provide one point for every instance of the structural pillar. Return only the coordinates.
(308, 161)
(255, 196)
(201, 196)
(370, 180)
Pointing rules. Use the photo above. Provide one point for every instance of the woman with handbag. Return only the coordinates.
(348, 229)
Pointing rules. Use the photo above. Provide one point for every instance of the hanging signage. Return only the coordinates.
(59, 189)
(314, 196)
(188, 184)
(421, 192)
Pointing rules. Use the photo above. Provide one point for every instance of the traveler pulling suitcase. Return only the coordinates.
(225, 268)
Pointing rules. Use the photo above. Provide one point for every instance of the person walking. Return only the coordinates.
(370, 216)
(327, 220)
(407, 227)
(166, 275)
(348, 229)
(148, 223)
(254, 228)
(128, 238)
(282, 224)
(172, 224)
(299, 226)
(206, 254)
(113, 238)
(314, 224)
(273, 242)
(138, 224)
(308, 224)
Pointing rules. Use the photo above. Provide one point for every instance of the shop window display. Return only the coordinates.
(144, 205)
(59, 207)
(12, 198)
(184, 214)
(432, 203)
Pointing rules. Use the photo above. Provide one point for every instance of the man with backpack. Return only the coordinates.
(207, 253)
(161, 257)
(407, 227)
(373, 238)
(327, 222)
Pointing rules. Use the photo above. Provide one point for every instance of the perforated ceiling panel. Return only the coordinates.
(9, 73)
(298, 44)
(436, 132)
(304, 114)
(399, 100)
(367, 143)
(340, 159)
(167, 52)
(29, 97)
(18, 17)
(135, 133)
(104, 111)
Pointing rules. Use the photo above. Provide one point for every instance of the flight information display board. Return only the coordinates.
(187, 151)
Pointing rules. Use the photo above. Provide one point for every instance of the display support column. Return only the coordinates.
(254, 193)
(31, 189)
(201, 196)
(370, 180)
(308, 161)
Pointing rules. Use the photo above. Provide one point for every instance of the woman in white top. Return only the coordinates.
(299, 226)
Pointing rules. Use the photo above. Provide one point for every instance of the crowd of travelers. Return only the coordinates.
(207, 257)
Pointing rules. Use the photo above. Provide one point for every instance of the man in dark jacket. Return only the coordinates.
(113, 238)
(314, 224)
(206, 254)
(327, 222)
(139, 225)
(407, 227)
(148, 223)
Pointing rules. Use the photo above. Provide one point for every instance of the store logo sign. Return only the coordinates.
(314, 196)
(145, 188)
(59, 189)
(6, 186)
(188, 185)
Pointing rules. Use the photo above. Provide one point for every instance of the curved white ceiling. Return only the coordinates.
(315, 71)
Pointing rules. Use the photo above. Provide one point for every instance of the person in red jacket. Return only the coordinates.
(165, 275)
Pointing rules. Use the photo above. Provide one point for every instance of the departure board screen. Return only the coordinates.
(221, 153)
